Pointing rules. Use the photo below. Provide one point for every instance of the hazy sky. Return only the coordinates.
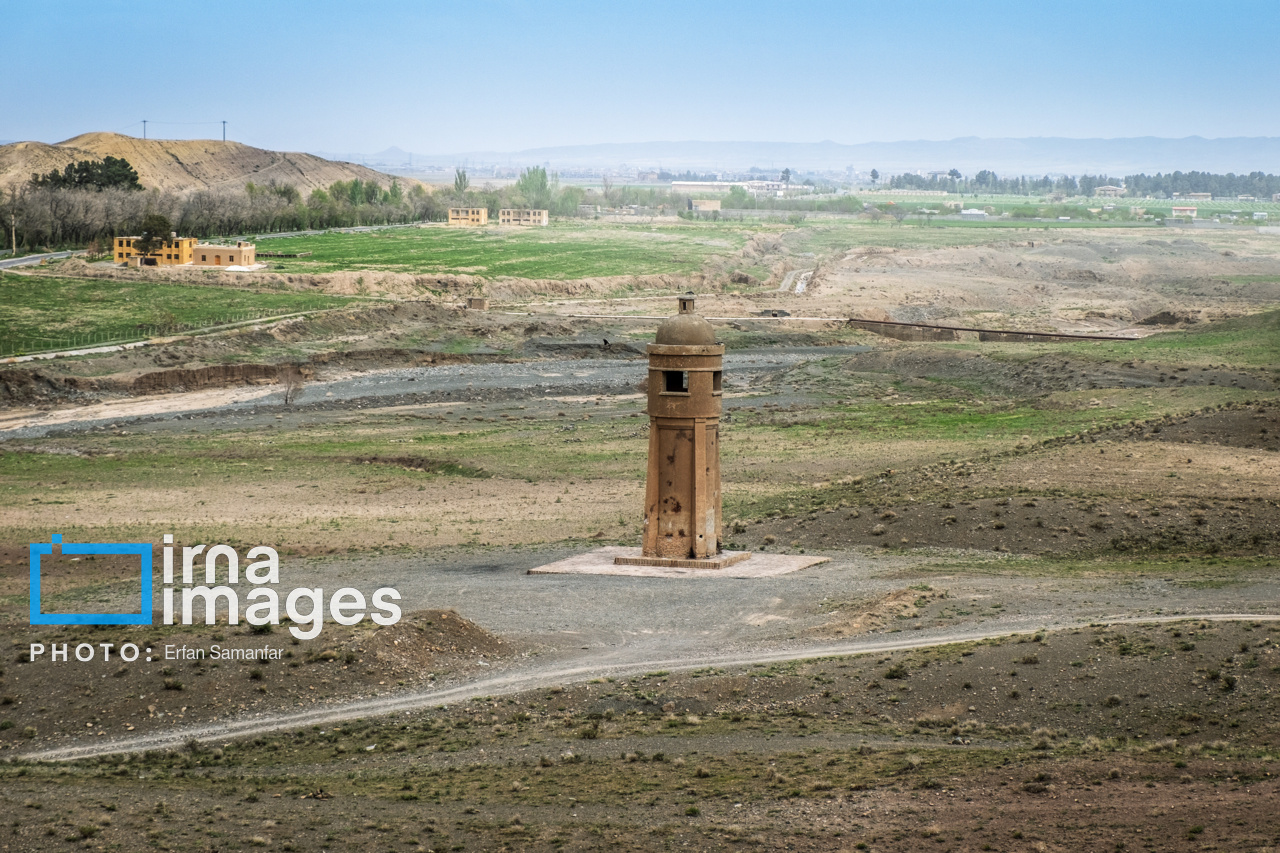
(448, 77)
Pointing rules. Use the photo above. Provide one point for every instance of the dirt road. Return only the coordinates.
(577, 628)
(518, 680)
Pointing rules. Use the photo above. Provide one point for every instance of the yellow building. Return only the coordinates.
(512, 216)
(175, 250)
(242, 254)
(468, 216)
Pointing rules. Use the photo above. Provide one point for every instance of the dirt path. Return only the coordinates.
(790, 278)
(590, 666)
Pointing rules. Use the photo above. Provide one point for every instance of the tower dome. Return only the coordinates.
(687, 329)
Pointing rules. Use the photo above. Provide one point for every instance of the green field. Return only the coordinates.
(46, 312)
(560, 251)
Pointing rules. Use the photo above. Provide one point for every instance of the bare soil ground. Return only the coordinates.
(1207, 482)
(1077, 284)
(1102, 738)
(46, 702)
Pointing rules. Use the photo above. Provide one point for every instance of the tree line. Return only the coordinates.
(1257, 184)
(89, 203)
(989, 183)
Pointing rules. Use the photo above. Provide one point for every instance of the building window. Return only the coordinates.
(715, 381)
(675, 381)
(204, 257)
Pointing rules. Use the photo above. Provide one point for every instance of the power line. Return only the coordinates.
(147, 121)
(186, 122)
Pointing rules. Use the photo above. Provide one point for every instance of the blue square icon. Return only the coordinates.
(142, 549)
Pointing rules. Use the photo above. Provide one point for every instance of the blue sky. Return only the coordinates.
(449, 77)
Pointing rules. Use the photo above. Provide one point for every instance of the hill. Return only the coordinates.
(182, 164)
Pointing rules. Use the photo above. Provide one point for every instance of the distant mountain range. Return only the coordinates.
(1029, 156)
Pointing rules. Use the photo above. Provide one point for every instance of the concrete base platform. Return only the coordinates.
(720, 561)
(601, 562)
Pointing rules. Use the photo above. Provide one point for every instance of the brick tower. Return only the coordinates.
(682, 490)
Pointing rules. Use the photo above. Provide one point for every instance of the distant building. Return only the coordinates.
(512, 216)
(185, 251)
(1245, 198)
(477, 303)
(1108, 191)
(704, 204)
(1189, 212)
(242, 254)
(973, 213)
(468, 216)
(1275, 196)
(1199, 196)
(1259, 216)
(172, 252)
(756, 188)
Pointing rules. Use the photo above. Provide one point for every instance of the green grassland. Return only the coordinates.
(50, 312)
(1251, 341)
(560, 251)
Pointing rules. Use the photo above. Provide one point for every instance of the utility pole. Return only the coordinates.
(224, 131)
(144, 128)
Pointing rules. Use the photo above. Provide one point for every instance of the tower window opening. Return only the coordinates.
(715, 381)
(676, 381)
